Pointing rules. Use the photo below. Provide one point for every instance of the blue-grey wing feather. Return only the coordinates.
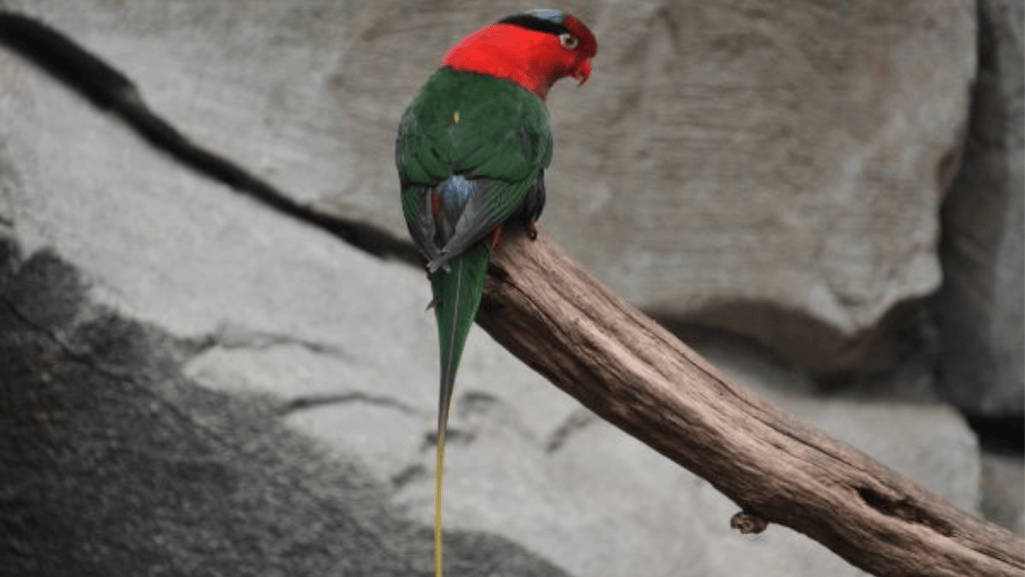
(464, 219)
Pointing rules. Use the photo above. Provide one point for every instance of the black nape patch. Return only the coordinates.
(531, 22)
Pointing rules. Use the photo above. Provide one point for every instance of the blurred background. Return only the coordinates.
(824, 197)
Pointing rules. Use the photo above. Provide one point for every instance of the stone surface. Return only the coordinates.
(318, 362)
(1003, 477)
(788, 154)
(115, 464)
(982, 303)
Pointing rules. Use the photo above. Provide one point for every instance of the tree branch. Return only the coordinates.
(548, 311)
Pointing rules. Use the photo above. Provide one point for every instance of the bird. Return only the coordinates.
(471, 152)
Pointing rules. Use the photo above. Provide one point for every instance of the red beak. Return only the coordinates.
(583, 72)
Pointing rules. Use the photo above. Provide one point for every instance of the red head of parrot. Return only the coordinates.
(533, 49)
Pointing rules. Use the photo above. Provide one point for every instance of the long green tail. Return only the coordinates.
(457, 292)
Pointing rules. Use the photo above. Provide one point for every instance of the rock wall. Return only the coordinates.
(981, 303)
(196, 384)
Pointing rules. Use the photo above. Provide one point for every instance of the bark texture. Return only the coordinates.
(587, 340)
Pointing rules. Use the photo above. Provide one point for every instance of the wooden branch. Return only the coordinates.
(548, 311)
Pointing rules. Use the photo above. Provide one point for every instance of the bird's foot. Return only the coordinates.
(532, 229)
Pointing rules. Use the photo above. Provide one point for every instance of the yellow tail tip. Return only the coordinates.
(439, 565)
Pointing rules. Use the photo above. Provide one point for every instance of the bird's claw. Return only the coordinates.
(532, 230)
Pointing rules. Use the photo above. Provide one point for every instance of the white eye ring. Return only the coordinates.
(568, 40)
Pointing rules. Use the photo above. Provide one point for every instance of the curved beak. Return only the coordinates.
(583, 72)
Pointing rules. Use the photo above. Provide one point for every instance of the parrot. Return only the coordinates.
(471, 152)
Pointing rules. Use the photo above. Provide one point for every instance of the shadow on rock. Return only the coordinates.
(113, 463)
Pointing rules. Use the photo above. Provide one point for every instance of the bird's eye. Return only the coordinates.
(568, 40)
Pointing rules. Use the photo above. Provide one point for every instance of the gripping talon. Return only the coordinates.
(532, 230)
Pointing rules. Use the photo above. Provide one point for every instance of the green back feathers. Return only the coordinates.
(477, 126)
(501, 131)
